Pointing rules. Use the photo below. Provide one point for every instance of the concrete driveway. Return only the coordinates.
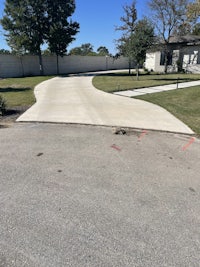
(79, 196)
(75, 100)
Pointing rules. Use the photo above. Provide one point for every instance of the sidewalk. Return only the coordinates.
(156, 89)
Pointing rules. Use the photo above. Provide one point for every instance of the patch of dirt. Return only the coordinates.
(11, 115)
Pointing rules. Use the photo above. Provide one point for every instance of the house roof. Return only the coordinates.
(186, 39)
(178, 41)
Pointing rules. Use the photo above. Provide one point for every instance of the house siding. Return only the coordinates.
(188, 55)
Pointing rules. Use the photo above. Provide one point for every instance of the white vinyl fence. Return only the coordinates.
(19, 66)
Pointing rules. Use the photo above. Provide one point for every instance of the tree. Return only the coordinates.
(168, 16)
(75, 51)
(139, 41)
(103, 51)
(30, 23)
(184, 29)
(129, 19)
(26, 25)
(193, 10)
(196, 29)
(46, 52)
(5, 52)
(137, 36)
(86, 49)
(128, 27)
(83, 50)
(61, 31)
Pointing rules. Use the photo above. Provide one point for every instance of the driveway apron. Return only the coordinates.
(74, 99)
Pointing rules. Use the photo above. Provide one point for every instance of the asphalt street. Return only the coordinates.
(74, 195)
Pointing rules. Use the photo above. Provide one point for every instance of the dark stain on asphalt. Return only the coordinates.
(192, 189)
(40, 154)
(4, 126)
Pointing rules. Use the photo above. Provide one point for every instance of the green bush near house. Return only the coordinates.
(2, 105)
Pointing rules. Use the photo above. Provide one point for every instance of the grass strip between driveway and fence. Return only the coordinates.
(19, 91)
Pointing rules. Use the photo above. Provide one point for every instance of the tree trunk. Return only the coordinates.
(166, 67)
(41, 64)
(137, 73)
(166, 63)
(129, 67)
(57, 64)
(21, 61)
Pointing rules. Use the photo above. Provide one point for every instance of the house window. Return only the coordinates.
(162, 58)
(169, 58)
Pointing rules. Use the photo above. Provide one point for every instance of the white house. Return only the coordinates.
(183, 52)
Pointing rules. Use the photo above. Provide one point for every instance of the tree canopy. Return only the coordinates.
(88, 50)
(83, 50)
(29, 24)
(61, 31)
(128, 19)
(137, 36)
(170, 18)
(193, 9)
(5, 52)
(196, 29)
(102, 51)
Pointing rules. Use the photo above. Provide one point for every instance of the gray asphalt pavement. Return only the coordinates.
(81, 196)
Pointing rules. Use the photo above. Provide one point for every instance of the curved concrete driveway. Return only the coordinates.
(74, 100)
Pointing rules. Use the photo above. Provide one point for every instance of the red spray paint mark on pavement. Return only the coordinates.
(189, 144)
(116, 147)
(142, 135)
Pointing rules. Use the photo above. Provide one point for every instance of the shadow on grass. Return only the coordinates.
(10, 112)
(122, 74)
(173, 79)
(14, 111)
(156, 77)
(13, 89)
(143, 74)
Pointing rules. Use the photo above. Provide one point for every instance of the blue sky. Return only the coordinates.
(97, 19)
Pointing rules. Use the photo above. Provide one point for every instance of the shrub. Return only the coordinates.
(179, 65)
(2, 105)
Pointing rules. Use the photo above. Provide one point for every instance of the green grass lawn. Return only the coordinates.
(19, 91)
(122, 81)
(182, 103)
